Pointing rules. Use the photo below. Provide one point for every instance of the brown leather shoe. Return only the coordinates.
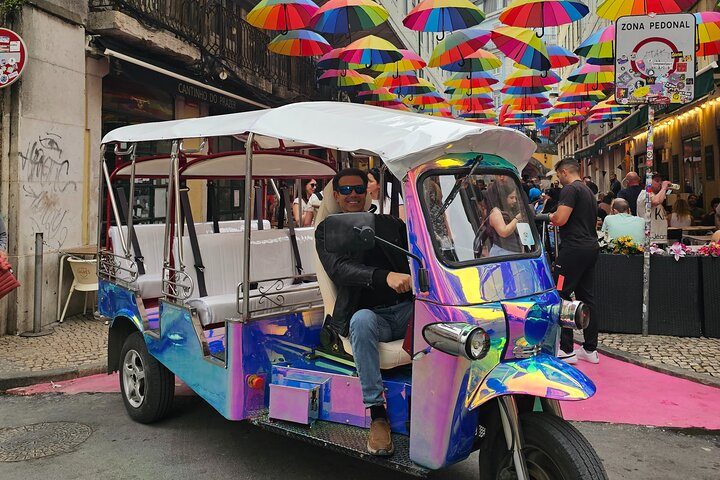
(379, 440)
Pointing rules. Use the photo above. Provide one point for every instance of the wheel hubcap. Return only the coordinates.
(539, 464)
(133, 375)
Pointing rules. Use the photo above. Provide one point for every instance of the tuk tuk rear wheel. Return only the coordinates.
(146, 385)
(554, 450)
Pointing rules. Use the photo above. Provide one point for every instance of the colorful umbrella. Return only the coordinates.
(410, 61)
(574, 105)
(524, 90)
(484, 121)
(590, 96)
(394, 104)
(477, 61)
(561, 57)
(371, 50)
(593, 74)
(283, 15)
(479, 114)
(543, 13)
(458, 45)
(331, 60)
(467, 92)
(443, 16)
(380, 94)
(471, 80)
(523, 46)
(345, 16)
(614, 9)
(390, 79)
(472, 103)
(527, 103)
(708, 33)
(299, 43)
(346, 78)
(531, 78)
(432, 98)
(599, 48)
(420, 87)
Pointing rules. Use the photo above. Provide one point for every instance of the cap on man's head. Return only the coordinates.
(534, 194)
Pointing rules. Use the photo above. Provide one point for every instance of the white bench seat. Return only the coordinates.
(149, 285)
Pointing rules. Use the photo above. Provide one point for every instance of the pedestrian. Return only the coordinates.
(658, 217)
(631, 191)
(680, 216)
(709, 219)
(591, 185)
(615, 185)
(575, 265)
(622, 224)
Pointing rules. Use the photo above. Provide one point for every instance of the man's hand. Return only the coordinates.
(400, 282)
(666, 184)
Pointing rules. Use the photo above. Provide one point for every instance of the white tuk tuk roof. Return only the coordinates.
(403, 140)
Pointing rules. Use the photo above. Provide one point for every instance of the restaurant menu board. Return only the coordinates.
(655, 59)
(13, 57)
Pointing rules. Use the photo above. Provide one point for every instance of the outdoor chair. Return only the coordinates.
(84, 280)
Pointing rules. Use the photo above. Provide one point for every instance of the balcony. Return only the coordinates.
(209, 36)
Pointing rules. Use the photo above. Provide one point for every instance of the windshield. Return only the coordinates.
(478, 216)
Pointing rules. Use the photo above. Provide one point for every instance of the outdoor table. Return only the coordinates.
(699, 239)
(696, 229)
(82, 251)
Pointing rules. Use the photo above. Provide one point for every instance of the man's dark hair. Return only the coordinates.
(348, 172)
(567, 164)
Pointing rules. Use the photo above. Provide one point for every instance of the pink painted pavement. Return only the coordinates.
(626, 394)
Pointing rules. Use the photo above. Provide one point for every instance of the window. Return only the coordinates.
(478, 217)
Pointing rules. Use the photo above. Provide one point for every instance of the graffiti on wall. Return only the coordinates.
(44, 164)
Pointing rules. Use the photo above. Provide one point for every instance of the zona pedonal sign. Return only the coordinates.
(655, 59)
(13, 57)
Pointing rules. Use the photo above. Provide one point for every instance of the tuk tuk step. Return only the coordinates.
(346, 439)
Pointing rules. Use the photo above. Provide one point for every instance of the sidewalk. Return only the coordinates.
(75, 348)
(78, 347)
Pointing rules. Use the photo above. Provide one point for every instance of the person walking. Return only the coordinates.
(632, 191)
(615, 185)
(575, 265)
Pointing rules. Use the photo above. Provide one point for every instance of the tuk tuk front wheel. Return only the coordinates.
(147, 386)
(553, 448)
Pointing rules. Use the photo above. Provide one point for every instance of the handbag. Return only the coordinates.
(8, 282)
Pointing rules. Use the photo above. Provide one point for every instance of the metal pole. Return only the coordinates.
(131, 200)
(248, 226)
(649, 157)
(116, 213)
(37, 307)
(168, 208)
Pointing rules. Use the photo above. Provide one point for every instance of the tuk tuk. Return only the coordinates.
(235, 309)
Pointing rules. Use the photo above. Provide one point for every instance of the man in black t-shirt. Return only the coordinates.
(575, 265)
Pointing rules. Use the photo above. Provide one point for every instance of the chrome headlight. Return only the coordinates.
(574, 314)
(459, 339)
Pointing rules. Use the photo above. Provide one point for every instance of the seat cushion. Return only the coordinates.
(149, 285)
(217, 308)
(391, 353)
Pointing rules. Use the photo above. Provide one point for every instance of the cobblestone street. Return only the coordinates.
(78, 342)
(700, 355)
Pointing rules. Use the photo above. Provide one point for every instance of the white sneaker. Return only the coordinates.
(583, 354)
(569, 358)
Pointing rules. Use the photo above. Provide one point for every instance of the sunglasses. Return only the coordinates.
(313, 185)
(347, 189)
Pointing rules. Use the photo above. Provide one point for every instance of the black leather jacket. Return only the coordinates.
(349, 273)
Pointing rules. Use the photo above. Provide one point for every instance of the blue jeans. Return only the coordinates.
(367, 329)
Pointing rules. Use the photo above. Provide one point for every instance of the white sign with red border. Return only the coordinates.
(655, 59)
(13, 57)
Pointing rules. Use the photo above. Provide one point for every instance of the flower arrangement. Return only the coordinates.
(679, 250)
(712, 250)
(624, 246)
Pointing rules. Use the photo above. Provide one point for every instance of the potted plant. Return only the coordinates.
(709, 256)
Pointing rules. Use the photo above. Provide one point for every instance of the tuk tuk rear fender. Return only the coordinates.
(541, 376)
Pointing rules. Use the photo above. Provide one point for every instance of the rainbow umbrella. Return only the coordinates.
(508, 90)
(458, 45)
(543, 13)
(371, 50)
(467, 92)
(283, 15)
(331, 60)
(487, 113)
(614, 9)
(472, 103)
(591, 96)
(599, 48)
(522, 46)
(432, 98)
(708, 33)
(346, 78)
(345, 16)
(299, 43)
(584, 88)
(561, 57)
(379, 94)
(527, 103)
(420, 87)
(531, 78)
(593, 74)
(574, 105)
(390, 80)
(477, 61)
(443, 16)
(471, 80)
(410, 61)
(394, 104)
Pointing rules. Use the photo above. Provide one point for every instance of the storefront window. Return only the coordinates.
(692, 161)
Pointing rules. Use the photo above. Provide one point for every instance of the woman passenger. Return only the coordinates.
(373, 189)
(303, 210)
(504, 205)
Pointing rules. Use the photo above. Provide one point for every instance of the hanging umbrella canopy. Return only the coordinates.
(474, 103)
(566, 114)
(477, 61)
(471, 80)
(443, 16)
(583, 88)
(522, 46)
(543, 13)
(345, 16)
(573, 105)
(379, 94)
(418, 88)
(331, 61)
(614, 9)
(394, 104)
(593, 74)
(424, 99)
(283, 15)
(391, 80)
(527, 103)
(371, 50)
(410, 61)
(345, 78)
(487, 113)
(599, 48)
(531, 78)
(299, 43)
(561, 57)
(467, 92)
(508, 90)
(708, 33)
(590, 96)
(458, 45)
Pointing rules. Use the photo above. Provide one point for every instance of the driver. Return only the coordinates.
(374, 299)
